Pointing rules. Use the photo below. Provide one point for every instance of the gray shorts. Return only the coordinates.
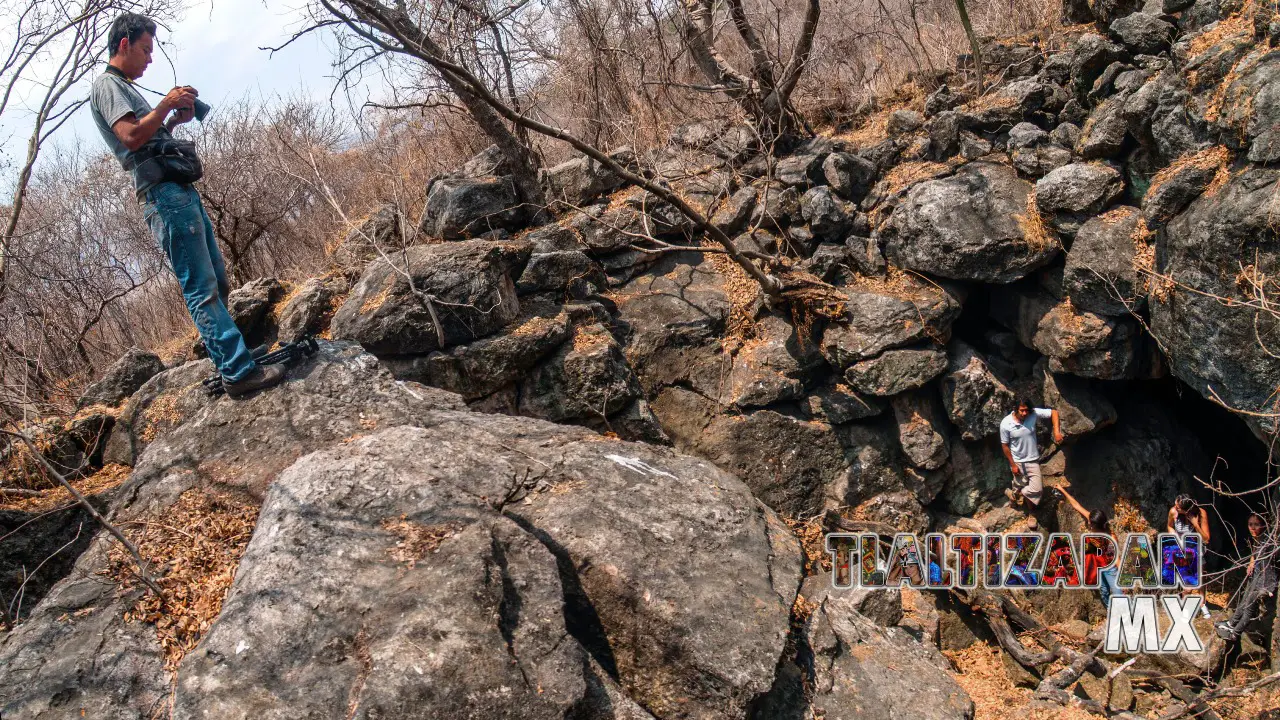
(1029, 482)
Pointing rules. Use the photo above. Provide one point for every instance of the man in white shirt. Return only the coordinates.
(1018, 440)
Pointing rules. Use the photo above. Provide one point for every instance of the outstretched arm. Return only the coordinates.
(1057, 428)
(1072, 501)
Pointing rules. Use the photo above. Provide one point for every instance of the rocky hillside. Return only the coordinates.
(575, 464)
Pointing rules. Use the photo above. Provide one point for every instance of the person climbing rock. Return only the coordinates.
(1022, 450)
(1260, 579)
(141, 139)
(1094, 559)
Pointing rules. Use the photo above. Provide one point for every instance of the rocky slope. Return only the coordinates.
(545, 470)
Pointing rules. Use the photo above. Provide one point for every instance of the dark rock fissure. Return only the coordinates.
(509, 607)
(580, 616)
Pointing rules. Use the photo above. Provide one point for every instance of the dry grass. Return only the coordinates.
(903, 176)
(416, 541)
(108, 478)
(160, 416)
(741, 290)
(813, 542)
(1127, 517)
(197, 544)
(980, 672)
(1034, 231)
(1237, 25)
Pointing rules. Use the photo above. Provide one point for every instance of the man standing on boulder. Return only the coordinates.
(1018, 440)
(133, 131)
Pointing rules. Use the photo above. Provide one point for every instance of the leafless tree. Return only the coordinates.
(55, 45)
(764, 90)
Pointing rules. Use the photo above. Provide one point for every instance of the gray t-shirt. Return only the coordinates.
(1021, 436)
(111, 99)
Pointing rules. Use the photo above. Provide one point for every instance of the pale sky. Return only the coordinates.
(214, 48)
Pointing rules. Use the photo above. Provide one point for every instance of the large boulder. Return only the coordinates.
(474, 566)
(1073, 193)
(863, 669)
(896, 371)
(1143, 34)
(466, 287)
(975, 225)
(1225, 245)
(850, 176)
(884, 313)
(588, 377)
(1102, 272)
(1246, 112)
(122, 379)
(463, 207)
(922, 428)
(976, 398)
(1173, 188)
(773, 366)
(1081, 408)
(580, 180)
(1075, 341)
(308, 309)
(385, 230)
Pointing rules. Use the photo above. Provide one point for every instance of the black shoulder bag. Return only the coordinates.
(163, 158)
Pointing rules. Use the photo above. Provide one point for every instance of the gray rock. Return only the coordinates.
(850, 176)
(777, 205)
(973, 147)
(1171, 191)
(829, 218)
(941, 100)
(970, 226)
(466, 207)
(1172, 6)
(1081, 409)
(487, 365)
(122, 379)
(840, 404)
(580, 180)
(800, 170)
(1066, 134)
(1075, 341)
(922, 428)
(1211, 345)
(772, 366)
(1101, 273)
(1073, 193)
(160, 405)
(385, 229)
(520, 597)
(1041, 159)
(864, 670)
(471, 280)
(1093, 53)
(1250, 108)
(1105, 132)
(308, 310)
(587, 378)
(732, 215)
(883, 606)
(882, 314)
(1143, 34)
(895, 371)
(249, 306)
(1025, 135)
(979, 474)
(944, 135)
(903, 121)
(554, 271)
(975, 397)
(675, 317)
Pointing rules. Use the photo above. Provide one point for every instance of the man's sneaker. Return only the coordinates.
(263, 376)
(1204, 610)
(1225, 632)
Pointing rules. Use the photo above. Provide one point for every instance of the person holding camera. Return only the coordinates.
(163, 170)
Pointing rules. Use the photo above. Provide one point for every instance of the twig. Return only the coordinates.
(93, 512)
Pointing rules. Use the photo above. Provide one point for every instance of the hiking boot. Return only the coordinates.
(261, 351)
(1225, 632)
(263, 376)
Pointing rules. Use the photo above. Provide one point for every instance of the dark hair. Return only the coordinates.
(131, 26)
(1259, 517)
(1098, 521)
(1023, 401)
(1184, 502)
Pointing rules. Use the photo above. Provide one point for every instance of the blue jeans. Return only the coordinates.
(178, 219)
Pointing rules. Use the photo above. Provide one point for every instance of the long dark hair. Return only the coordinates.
(1098, 521)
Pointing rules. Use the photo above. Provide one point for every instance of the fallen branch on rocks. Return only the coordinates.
(93, 512)
(1200, 704)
